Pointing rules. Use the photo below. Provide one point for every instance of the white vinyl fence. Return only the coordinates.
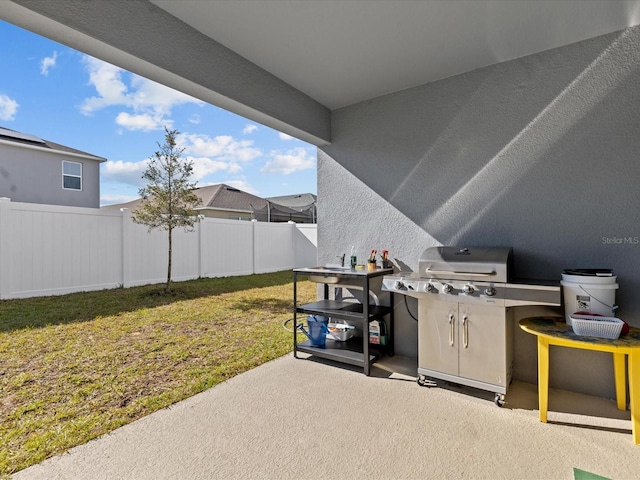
(53, 250)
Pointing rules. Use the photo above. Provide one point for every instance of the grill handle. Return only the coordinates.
(465, 331)
(471, 274)
(451, 330)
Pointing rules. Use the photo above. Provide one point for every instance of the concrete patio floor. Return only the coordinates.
(307, 419)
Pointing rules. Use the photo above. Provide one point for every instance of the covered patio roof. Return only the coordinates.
(289, 64)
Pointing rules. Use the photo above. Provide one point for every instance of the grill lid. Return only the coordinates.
(466, 263)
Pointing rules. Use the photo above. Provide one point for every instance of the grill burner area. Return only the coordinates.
(472, 275)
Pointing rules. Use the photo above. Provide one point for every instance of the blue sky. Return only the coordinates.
(68, 97)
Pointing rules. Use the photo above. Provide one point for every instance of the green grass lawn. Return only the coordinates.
(77, 366)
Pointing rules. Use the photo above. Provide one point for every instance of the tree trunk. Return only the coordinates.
(167, 289)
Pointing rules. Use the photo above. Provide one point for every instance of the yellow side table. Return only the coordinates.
(554, 331)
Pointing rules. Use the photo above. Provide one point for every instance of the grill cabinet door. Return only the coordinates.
(438, 336)
(483, 334)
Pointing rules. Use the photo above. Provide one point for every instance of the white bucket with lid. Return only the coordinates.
(589, 290)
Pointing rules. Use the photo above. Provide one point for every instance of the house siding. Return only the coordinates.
(538, 153)
(35, 176)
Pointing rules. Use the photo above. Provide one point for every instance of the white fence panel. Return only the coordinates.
(305, 245)
(273, 246)
(227, 247)
(147, 255)
(185, 263)
(51, 250)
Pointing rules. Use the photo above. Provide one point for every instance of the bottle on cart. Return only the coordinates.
(378, 332)
(354, 257)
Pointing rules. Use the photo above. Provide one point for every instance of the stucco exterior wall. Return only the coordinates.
(538, 153)
(35, 176)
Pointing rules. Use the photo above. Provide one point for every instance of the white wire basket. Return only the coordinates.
(595, 326)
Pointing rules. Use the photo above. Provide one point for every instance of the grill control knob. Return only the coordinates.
(468, 289)
(446, 288)
(399, 285)
(490, 291)
(429, 287)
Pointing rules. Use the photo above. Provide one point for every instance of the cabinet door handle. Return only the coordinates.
(451, 330)
(465, 331)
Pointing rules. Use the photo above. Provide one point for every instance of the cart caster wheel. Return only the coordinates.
(499, 400)
(425, 382)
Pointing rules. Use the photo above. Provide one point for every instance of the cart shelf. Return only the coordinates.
(343, 310)
(356, 351)
(349, 352)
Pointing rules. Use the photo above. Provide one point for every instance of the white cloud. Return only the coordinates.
(150, 103)
(208, 155)
(288, 162)
(47, 63)
(130, 173)
(106, 79)
(224, 147)
(249, 129)
(124, 172)
(284, 136)
(234, 168)
(205, 166)
(8, 108)
(245, 153)
(144, 122)
(114, 199)
(195, 119)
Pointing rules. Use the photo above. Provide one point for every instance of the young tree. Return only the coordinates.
(168, 200)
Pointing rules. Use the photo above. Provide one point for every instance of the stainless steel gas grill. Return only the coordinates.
(465, 328)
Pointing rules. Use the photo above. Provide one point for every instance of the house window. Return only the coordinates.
(71, 175)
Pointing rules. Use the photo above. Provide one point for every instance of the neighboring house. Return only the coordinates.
(33, 170)
(224, 201)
